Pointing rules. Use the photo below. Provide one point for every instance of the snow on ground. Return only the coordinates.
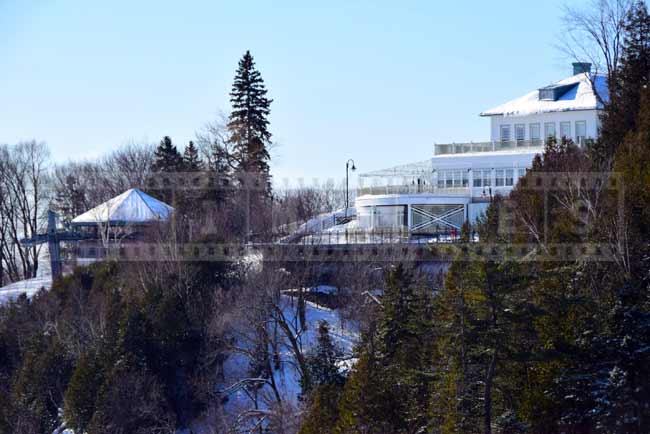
(320, 223)
(349, 226)
(345, 334)
(323, 289)
(29, 287)
(287, 377)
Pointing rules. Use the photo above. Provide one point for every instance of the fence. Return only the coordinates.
(462, 148)
(409, 188)
(390, 236)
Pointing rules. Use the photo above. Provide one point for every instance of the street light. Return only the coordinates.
(347, 182)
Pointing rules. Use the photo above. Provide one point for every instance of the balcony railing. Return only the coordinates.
(463, 148)
(410, 189)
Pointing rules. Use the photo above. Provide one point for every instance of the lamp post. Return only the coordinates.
(347, 182)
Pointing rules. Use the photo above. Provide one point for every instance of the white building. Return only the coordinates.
(455, 185)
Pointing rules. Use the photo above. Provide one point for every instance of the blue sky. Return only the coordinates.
(378, 82)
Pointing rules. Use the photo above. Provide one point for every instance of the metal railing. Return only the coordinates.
(495, 146)
(411, 189)
(376, 236)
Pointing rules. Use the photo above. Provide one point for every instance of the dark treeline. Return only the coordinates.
(128, 349)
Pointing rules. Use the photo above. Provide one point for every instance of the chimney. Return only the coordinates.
(580, 67)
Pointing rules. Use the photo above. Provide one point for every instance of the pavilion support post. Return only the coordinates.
(53, 245)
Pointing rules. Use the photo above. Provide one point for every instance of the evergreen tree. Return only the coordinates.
(166, 157)
(322, 361)
(82, 390)
(608, 384)
(632, 163)
(326, 384)
(220, 163)
(39, 387)
(248, 122)
(323, 411)
(626, 85)
(191, 159)
(387, 391)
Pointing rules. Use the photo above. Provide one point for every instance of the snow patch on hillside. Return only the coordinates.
(28, 287)
(287, 377)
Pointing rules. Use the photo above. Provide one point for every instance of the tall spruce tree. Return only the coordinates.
(191, 159)
(166, 157)
(388, 389)
(248, 122)
(322, 361)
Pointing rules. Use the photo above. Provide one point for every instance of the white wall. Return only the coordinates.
(589, 116)
(477, 210)
(471, 164)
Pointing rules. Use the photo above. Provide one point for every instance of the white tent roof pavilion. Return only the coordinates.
(131, 207)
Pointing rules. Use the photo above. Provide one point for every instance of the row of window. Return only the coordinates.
(480, 177)
(534, 131)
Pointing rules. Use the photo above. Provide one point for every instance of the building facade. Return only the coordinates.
(456, 185)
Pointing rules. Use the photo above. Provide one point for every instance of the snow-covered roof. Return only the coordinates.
(132, 206)
(581, 96)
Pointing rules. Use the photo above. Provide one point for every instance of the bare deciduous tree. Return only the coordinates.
(212, 141)
(79, 186)
(24, 200)
(294, 206)
(595, 33)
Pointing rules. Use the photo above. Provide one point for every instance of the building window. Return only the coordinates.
(504, 177)
(534, 134)
(487, 178)
(581, 132)
(482, 178)
(477, 178)
(457, 178)
(505, 133)
(453, 178)
(521, 173)
(520, 132)
(549, 130)
(445, 179)
(390, 216)
(499, 175)
(565, 130)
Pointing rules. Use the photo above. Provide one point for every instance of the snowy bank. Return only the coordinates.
(28, 287)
